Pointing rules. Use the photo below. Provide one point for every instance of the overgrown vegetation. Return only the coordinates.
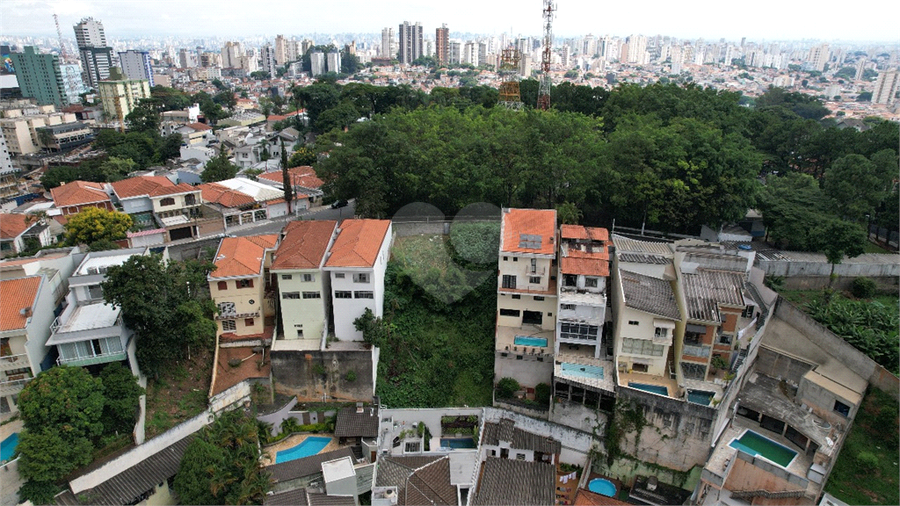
(628, 418)
(179, 392)
(866, 469)
(870, 326)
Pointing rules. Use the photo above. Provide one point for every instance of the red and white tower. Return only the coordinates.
(543, 101)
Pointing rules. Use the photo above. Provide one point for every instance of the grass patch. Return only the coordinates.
(858, 478)
(871, 247)
(179, 393)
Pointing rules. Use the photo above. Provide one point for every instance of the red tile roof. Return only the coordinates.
(141, 186)
(303, 176)
(521, 224)
(597, 255)
(358, 243)
(582, 232)
(16, 295)
(199, 126)
(598, 233)
(78, 193)
(304, 245)
(242, 256)
(12, 225)
(222, 195)
(585, 266)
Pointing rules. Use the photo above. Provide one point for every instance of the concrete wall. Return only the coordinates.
(299, 373)
(578, 416)
(778, 365)
(872, 265)
(677, 434)
(887, 283)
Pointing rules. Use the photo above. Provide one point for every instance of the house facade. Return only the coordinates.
(73, 197)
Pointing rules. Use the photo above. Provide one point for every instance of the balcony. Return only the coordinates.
(236, 316)
(102, 358)
(696, 351)
(11, 362)
(12, 387)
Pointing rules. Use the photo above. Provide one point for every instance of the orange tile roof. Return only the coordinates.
(585, 266)
(242, 256)
(16, 295)
(358, 243)
(12, 225)
(598, 233)
(529, 222)
(303, 176)
(304, 244)
(597, 255)
(573, 232)
(222, 195)
(199, 126)
(140, 186)
(78, 193)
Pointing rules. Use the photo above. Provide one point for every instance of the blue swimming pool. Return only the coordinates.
(8, 446)
(530, 341)
(755, 444)
(458, 443)
(582, 371)
(700, 396)
(310, 446)
(655, 389)
(602, 487)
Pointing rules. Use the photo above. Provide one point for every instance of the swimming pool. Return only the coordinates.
(755, 444)
(700, 396)
(602, 487)
(530, 341)
(653, 389)
(310, 446)
(583, 371)
(8, 446)
(458, 442)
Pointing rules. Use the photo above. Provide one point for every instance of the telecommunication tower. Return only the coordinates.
(543, 101)
(509, 85)
(64, 58)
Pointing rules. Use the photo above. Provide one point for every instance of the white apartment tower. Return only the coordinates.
(637, 47)
(388, 47)
(89, 33)
(886, 87)
(268, 58)
(818, 57)
(96, 56)
(411, 46)
(280, 51)
(136, 65)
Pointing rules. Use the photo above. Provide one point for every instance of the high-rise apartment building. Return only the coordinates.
(96, 56)
(232, 55)
(333, 61)
(442, 45)
(455, 51)
(818, 57)
(119, 97)
(136, 64)
(317, 63)
(388, 46)
(72, 81)
(280, 51)
(470, 53)
(267, 57)
(886, 87)
(860, 69)
(637, 47)
(40, 77)
(186, 59)
(411, 45)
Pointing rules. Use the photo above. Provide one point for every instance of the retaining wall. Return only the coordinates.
(314, 375)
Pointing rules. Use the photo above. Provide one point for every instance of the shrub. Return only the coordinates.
(867, 461)
(542, 394)
(863, 288)
(507, 387)
(718, 363)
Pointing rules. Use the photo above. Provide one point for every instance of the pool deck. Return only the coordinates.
(10, 481)
(650, 379)
(607, 382)
(506, 340)
(270, 451)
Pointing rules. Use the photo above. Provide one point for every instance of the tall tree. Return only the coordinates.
(286, 179)
(219, 168)
(121, 393)
(856, 185)
(838, 239)
(94, 225)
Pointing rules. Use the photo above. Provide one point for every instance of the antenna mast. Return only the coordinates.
(71, 85)
(543, 101)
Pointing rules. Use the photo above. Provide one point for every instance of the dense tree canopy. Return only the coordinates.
(94, 224)
(219, 168)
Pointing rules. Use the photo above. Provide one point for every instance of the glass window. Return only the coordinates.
(226, 308)
(590, 282)
(516, 296)
(229, 325)
(661, 332)
(312, 295)
(339, 275)
(290, 295)
(364, 295)
(245, 283)
(168, 201)
(287, 276)
(534, 280)
(509, 312)
(361, 277)
(641, 347)
(509, 281)
(308, 278)
(343, 294)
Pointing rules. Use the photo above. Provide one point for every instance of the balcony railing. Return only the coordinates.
(102, 358)
(696, 351)
(10, 362)
(12, 387)
(235, 316)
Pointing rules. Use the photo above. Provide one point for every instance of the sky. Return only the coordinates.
(760, 20)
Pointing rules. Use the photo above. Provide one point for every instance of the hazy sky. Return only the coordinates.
(710, 19)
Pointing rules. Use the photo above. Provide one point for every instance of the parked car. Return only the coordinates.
(339, 203)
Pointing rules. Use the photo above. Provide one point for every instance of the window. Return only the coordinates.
(245, 283)
(534, 265)
(642, 347)
(567, 307)
(570, 280)
(509, 281)
(168, 201)
(312, 295)
(505, 259)
(190, 200)
(841, 408)
(290, 295)
(363, 295)
(515, 259)
(509, 312)
(590, 282)
(520, 456)
(538, 298)
(287, 276)
(309, 278)
(362, 277)
(299, 328)
(534, 280)
(248, 322)
(339, 275)
(660, 332)
(639, 367)
(413, 447)
(222, 285)
(633, 322)
(96, 292)
(226, 308)
(578, 331)
(229, 325)
(516, 296)
(343, 294)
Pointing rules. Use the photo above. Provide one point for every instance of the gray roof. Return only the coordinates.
(352, 424)
(518, 438)
(650, 295)
(128, 485)
(705, 290)
(419, 480)
(304, 497)
(643, 258)
(635, 246)
(505, 481)
(393, 471)
(306, 466)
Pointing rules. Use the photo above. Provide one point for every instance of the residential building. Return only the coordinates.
(304, 296)
(317, 63)
(269, 65)
(73, 197)
(96, 55)
(295, 475)
(136, 65)
(388, 45)
(186, 59)
(22, 132)
(232, 55)
(25, 318)
(498, 474)
(89, 33)
(356, 265)
(40, 77)
(886, 87)
(526, 297)
(90, 331)
(155, 202)
(119, 97)
(242, 200)
(19, 232)
(411, 480)
(306, 184)
(411, 46)
(280, 50)
(333, 61)
(64, 137)
(442, 45)
(818, 57)
(242, 290)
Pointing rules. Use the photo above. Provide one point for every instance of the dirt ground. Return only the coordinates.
(179, 393)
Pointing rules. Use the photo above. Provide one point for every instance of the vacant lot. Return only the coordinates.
(180, 392)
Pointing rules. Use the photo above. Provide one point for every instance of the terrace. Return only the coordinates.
(527, 340)
(628, 379)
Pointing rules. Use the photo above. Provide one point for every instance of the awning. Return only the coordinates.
(666, 324)
(699, 329)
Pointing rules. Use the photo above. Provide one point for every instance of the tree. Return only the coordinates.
(116, 169)
(144, 117)
(156, 297)
(865, 96)
(219, 168)
(286, 179)
(568, 214)
(221, 464)
(792, 206)
(121, 393)
(94, 224)
(838, 239)
(856, 185)
(170, 147)
(302, 157)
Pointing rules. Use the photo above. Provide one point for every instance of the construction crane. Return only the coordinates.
(64, 58)
(543, 101)
(509, 86)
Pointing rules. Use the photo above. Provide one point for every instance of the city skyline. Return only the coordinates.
(767, 20)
